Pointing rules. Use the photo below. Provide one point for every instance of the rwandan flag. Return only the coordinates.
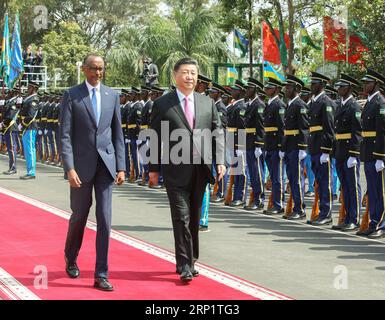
(240, 42)
(5, 52)
(17, 66)
(269, 71)
(232, 75)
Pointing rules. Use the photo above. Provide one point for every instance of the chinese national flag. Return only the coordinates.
(270, 48)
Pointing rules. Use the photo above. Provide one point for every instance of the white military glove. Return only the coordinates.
(138, 142)
(126, 141)
(302, 155)
(239, 153)
(45, 131)
(352, 162)
(20, 127)
(258, 152)
(40, 132)
(325, 158)
(281, 155)
(380, 165)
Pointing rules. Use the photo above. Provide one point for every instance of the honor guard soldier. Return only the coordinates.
(274, 129)
(254, 142)
(56, 124)
(144, 126)
(295, 144)
(29, 126)
(49, 130)
(40, 137)
(125, 104)
(347, 128)
(43, 121)
(373, 152)
(202, 84)
(321, 140)
(215, 93)
(2, 104)
(133, 127)
(10, 132)
(235, 121)
(305, 95)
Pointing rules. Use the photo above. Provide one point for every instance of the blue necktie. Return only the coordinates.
(95, 106)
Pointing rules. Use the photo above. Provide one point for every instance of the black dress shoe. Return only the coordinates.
(10, 171)
(156, 187)
(194, 272)
(366, 232)
(309, 194)
(322, 222)
(253, 207)
(217, 200)
(27, 177)
(186, 276)
(103, 284)
(297, 216)
(350, 227)
(273, 211)
(380, 233)
(72, 270)
(237, 203)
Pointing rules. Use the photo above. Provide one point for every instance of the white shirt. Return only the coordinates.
(343, 102)
(272, 99)
(251, 102)
(190, 98)
(317, 97)
(98, 96)
(292, 100)
(372, 96)
(235, 102)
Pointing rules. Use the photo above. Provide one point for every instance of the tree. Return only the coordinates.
(63, 48)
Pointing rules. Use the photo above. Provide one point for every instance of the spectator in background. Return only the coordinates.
(28, 59)
(38, 62)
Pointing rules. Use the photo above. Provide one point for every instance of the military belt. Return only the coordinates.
(251, 130)
(131, 126)
(291, 132)
(271, 129)
(231, 129)
(369, 134)
(144, 127)
(316, 128)
(343, 136)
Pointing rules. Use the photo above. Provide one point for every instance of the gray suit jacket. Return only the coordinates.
(82, 142)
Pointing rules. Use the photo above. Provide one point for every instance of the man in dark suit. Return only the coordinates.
(186, 177)
(92, 151)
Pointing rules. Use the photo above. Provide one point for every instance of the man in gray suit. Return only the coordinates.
(92, 150)
(188, 113)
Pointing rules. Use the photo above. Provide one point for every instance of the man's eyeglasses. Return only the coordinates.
(94, 69)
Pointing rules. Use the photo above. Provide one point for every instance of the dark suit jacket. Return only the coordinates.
(82, 142)
(167, 108)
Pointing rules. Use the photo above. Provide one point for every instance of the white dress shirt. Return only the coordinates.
(373, 95)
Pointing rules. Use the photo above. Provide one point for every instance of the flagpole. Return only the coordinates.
(263, 56)
(323, 45)
(301, 45)
(347, 37)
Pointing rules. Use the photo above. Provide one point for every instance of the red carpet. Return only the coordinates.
(32, 236)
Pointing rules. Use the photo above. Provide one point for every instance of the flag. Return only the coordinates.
(17, 66)
(335, 43)
(271, 52)
(5, 56)
(305, 38)
(232, 75)
(240, 42)
(282, 46)
(270, 72)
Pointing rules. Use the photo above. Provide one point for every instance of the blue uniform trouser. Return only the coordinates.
(309, 173)
(222, 185)
(323, 176)
(29, 147)
(204, 220)
(127, 156)
(256, 172)
(295, 174)
(240, 179)
(52, 144)
(351, 190)
(376, 193)
(40, 145)
(336, 181)
(143, 159)
(11, 142)
(47, 149)
(134, 157)
(57, 140)
(276, 171)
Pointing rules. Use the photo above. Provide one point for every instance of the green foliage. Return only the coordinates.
(63, 48)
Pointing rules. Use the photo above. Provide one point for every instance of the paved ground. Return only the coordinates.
(301, 261)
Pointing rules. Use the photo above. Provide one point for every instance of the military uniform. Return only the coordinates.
(274, 132)
(347, 127)
(43, 126)
(321, 140)
(124, 109)
(133, 128)
(10, 132)
(294, 145)
(29, 111)
(254, 145)
(373, 152)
